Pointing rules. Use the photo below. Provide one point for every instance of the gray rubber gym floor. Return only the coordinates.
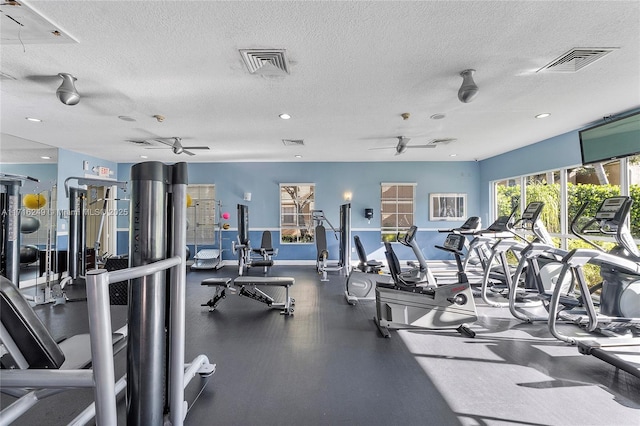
(328, 365)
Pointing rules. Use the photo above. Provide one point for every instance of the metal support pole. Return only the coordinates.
(178, 296)
(77, 233)
(146, 348)
(101, 346)
(12, 231)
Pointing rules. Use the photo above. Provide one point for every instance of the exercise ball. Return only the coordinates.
(189, 200)
(28, 254)
(226, 215)
(29, 224)
(225, 226)
(34, 201)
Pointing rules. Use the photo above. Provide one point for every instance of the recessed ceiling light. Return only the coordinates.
(143, 156)
(45, 157)
(126, 118)
(35, 120)
(437, 116)
(543, 115)
(453, 155)
(285, 116)
(298, 156)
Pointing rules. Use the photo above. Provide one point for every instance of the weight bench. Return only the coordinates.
(223, 284)
(255, 293)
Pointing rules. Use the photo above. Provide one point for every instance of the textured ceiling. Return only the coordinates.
(355, 67)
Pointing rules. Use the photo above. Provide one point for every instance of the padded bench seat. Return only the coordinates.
(268, 281)
(215, 281)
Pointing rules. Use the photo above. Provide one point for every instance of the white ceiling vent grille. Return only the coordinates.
(265, 61)
(293, 142)
(576, 59)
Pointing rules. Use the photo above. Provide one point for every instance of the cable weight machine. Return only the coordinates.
(343, 235)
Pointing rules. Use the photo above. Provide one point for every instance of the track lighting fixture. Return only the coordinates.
(67, 92)
(469, 89)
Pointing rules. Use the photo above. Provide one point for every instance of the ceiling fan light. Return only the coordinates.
(469, 89)
(67, 92)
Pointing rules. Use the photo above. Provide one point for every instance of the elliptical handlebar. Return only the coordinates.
(610, 217)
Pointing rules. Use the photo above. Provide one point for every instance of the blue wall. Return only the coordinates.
(332, 180)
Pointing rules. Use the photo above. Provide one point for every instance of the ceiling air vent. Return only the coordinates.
(576, 59)
(265, 61)
(293, 142)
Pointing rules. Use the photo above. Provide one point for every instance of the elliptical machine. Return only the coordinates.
(618, 315)
(538, 270)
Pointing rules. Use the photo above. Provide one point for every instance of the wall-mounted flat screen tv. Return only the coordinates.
(613, 139)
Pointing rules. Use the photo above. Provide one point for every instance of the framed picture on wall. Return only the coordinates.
(447, 207)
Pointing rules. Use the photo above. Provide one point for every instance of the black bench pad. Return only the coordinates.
(268, 281)
(216, 281)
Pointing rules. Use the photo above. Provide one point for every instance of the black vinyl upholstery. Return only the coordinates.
(27, 330)
(365, 264)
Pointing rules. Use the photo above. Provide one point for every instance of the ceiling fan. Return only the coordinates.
(403, 144)
(175, 145)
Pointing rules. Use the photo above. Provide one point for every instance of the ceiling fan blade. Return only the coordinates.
(382, 147)
(195, 147)
(165, 142)
(421, 146)
(184, 151)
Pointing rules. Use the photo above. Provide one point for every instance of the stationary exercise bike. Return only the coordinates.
(362, 280)
(407, 304)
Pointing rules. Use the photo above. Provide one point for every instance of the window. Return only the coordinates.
(397, 208)
(297, 201)
(565, 191)
(201, 214)
(545, 187)
(507, 196)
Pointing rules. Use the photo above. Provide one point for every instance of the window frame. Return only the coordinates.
(303, 234)
(564, 235)
(389, 233)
